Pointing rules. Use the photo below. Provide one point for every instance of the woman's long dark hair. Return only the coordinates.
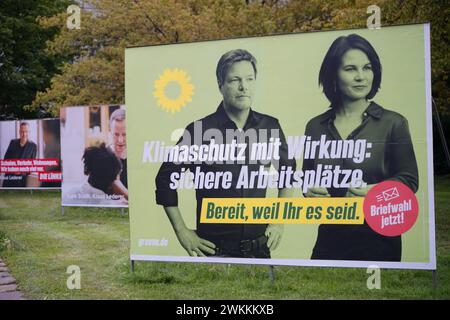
(332, 62)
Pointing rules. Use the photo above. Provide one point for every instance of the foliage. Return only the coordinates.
(25, 66)
(96, 75)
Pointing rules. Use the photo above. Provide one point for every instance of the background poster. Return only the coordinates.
(30, 154)
(170, 86)
(94, 151)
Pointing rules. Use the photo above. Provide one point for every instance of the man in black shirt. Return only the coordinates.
(118, 131)
(233, 120)
(21, 148)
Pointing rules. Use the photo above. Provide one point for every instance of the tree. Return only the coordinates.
(96, 74)
(25, 67)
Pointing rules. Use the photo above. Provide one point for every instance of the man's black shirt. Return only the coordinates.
(266, 127)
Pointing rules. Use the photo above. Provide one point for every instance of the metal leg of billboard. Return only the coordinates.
(435, 279)
(447, 157)
(132, 266)
(62, 210)
(441, 133)
(271, 274)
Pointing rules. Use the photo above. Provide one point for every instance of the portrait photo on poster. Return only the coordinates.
(283, 149)
(30, 154)
(94, 151)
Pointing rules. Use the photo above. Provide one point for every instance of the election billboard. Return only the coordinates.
(94, 153)
(308, 149)
(30, 156)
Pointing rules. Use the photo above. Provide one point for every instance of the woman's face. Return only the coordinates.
(355, 75)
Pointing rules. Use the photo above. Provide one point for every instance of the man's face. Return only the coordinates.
(119, 138)
(239, 84)
(23, 133)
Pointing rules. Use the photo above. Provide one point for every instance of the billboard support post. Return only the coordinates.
(435, 279)
(447, 157)
(132, 266)
(271, 274)
(441, 133)
(62, 210)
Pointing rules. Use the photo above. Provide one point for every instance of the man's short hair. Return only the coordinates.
(227, 60)
(332, 61)
(117, 115)
(24, 123)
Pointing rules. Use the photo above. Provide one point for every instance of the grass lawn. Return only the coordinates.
(38, 244)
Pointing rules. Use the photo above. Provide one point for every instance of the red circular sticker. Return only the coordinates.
(390, 208)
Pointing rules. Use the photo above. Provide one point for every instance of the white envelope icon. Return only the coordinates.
(390, 194)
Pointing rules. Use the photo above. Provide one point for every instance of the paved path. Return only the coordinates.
(8, 287)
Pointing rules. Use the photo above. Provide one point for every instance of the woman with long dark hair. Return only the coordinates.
(350, 76)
